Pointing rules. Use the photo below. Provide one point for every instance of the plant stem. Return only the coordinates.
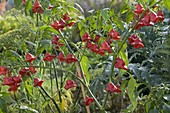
(15, 97)
(66, 42)
(46, 67)
(58, 109)
(80, 74)
(56, 78)
(45, 100)
(82, 87)
(51, 82)
(105, 100)
(125, 37)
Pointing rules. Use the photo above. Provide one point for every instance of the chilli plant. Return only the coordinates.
(71, 63)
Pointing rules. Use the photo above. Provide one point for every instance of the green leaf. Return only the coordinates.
(129, 17)
(84, 64)
(26, 109)
(44, 27)
(167, 97)
(31, 43)
(81, 27)
(46, 42)
(7, 97)
(148, 106)
(167, 4)
(81, 9)
(29, 86)
(154, 111)
(51, 30)
(124, 56)
(46, 15)
(118, 22)
(40, 49)
(112, 2)
(124, 8)
(28, 7)
(17, 3)
(45, 103)
(15, 53)
(73, 9)
(166, 108)
(131, 89)
(151, 2)
(105, 14)
(3, 106)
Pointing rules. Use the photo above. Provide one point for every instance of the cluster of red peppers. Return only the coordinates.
(148, 19)
(14, 81)
(62, 23)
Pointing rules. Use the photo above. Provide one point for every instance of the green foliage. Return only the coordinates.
(131, 93)
(3, 107)
(167, 4)
(26, 32)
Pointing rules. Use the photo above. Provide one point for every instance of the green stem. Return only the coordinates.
(46, 67)
(81, 72)
(124, 39)
(58, 109)
(56, 78)
(45, 100)
(63, 74)
(77, 97)
(66, 42)
(51, 81)
(107, 95)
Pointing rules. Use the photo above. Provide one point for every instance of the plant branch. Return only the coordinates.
(58, 109)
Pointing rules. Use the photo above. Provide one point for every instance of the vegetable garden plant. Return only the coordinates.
(65, 62)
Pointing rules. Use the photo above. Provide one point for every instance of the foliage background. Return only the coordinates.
(149, 66)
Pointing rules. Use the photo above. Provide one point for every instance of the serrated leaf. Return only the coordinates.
(84, 64)
(167, 4)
